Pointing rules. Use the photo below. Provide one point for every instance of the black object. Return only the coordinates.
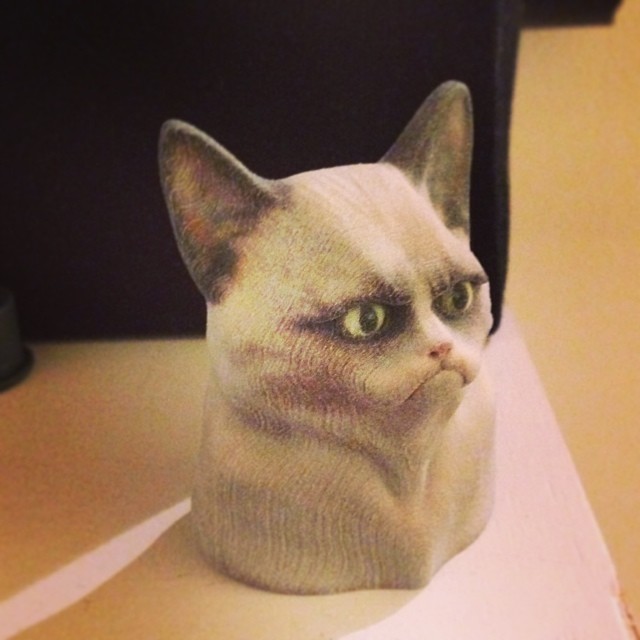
(569, 13)
(15, 359)
(286, 86)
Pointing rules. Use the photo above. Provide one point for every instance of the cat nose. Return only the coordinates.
(440, 350)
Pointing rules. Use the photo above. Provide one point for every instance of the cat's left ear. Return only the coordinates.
(434, 151)
(214, 201)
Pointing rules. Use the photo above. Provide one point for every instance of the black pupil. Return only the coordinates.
(460, 297)
(368, 319)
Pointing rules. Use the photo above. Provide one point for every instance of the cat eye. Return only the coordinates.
(364, 321)
(455, 301)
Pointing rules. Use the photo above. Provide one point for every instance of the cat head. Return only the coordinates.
(345, 291)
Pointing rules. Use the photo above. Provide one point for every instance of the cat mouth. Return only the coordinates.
(453, 373)
(462, 371)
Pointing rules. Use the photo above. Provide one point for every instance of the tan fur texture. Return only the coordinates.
(334, 460)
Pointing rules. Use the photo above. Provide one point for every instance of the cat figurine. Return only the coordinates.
(348, 423)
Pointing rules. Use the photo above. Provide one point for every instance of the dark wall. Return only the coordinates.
(85, 242)
(568, 13)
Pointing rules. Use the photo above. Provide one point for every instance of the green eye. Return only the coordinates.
(364, 321)
(456, 301)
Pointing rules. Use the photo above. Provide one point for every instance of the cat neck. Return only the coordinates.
(394, 453)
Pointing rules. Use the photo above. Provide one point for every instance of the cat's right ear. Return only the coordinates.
(213, 201)
(434, 151)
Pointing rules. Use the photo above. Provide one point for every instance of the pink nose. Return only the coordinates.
(440, 350)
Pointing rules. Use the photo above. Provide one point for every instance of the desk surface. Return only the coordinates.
(96, 451)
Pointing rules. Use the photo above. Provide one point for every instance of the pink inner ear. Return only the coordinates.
(190, 196)
(458, 133)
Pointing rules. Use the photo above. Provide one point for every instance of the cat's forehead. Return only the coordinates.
(377, 213)
(352, 232)
(376, 194)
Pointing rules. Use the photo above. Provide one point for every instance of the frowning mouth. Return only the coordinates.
(461, 371)
(432, 377)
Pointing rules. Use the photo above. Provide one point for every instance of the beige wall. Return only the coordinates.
(574, 279)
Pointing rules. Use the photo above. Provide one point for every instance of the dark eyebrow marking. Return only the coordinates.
(458, 273)
(375, 290)
(385, 292)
